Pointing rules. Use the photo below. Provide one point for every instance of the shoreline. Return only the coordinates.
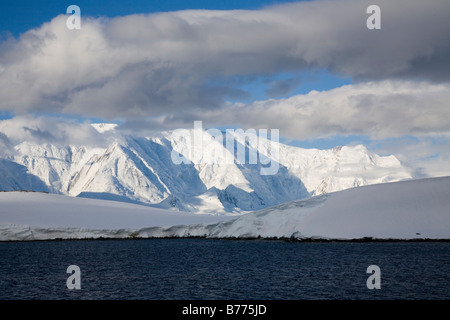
(274, 239)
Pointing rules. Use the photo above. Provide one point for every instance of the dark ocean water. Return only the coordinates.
(200, 269)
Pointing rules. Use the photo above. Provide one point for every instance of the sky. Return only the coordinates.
(312, 69)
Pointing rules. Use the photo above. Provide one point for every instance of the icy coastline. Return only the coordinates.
(417, 209)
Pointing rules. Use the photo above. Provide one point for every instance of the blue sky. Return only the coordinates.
(22, 15)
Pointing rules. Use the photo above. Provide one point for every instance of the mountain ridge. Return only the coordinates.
(141, 170)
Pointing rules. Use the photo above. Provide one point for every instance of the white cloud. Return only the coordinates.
(53, 130)
(428, 155)
(164, 64)
(376, 109)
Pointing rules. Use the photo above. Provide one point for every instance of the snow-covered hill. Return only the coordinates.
(39, 216)
(400, 210)
(141, 170)
(413, 209)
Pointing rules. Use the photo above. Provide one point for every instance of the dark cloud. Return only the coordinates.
(40, 135)
(6, 147)
(282, 87)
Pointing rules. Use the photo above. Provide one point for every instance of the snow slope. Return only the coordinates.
(34, 216)
(401, 210)
(140, 170)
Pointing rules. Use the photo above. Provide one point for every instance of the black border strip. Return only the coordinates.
(173, 309)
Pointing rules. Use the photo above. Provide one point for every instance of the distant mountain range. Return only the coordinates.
(141, 170)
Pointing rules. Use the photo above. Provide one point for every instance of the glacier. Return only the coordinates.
(414, 209)
(140, 170)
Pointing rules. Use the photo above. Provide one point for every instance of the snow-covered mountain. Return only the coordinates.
(141, 170)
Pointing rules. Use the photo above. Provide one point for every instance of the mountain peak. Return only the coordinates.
(142, 170)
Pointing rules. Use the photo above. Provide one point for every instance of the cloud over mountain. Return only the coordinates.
(376, 109)
(155, 65)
